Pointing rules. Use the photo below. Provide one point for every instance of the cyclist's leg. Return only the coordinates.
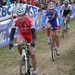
(68, 21)
(32, 53)
(56, 31)
(33, 57)
(57, 41)
(48, 32)
(57, 37)
(64, 17)
(20, 40)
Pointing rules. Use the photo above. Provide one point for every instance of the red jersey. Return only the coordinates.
(24, 27)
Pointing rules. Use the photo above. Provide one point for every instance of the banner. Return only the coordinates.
(6, 11)
(5, 29)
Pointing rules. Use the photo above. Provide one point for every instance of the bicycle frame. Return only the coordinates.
(64, 28)
(53, 46)
(24, 58)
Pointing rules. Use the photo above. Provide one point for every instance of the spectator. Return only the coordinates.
(23, 1)
(1, 3)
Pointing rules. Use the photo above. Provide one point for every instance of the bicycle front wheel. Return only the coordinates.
(63, 30)
(23, 66)
(53, 50)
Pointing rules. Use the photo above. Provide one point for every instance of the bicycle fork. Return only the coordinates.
(25, 58)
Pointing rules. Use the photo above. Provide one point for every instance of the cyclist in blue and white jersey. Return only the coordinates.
(66, 10)
(52, 18)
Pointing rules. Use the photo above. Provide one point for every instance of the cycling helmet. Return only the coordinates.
(65, 1)
(51, 5)
(20, 11)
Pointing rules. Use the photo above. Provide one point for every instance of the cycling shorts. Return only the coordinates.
(26, 37)
(53, 24)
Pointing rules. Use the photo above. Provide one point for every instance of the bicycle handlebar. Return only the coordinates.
(18, 45)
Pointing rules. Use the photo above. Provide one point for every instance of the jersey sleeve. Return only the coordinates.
(57, 11)
(59, 17)
(44, 13)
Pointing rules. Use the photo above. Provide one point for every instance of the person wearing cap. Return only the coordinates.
(24, 24)
(66, 11)
(51, 19)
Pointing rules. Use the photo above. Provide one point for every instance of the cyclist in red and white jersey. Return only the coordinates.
(24, 24)
(66, 10)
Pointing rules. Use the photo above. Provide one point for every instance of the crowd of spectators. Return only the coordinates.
(34, 2)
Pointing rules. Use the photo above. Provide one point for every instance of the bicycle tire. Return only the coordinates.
(67, 30)
(63, 30)
(53, 51)
(22, 66)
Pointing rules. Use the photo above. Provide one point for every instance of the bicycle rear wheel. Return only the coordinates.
(23, 66)
(53, 50)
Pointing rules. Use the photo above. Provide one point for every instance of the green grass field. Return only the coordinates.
(8, 58)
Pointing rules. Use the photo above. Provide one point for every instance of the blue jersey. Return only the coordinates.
(53, 19)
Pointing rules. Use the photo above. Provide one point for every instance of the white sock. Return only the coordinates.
(48, 37)
(34, 72)
(57, 48)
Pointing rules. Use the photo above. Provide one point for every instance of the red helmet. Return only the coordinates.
(51, 5)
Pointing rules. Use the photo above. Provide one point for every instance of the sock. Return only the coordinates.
(34, 72)
(58, 48)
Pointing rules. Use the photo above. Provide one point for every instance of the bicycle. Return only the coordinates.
(25, 67)
(65, 30)
(53, 45)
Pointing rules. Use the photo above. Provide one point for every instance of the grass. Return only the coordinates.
(70, 58)
(8, 58)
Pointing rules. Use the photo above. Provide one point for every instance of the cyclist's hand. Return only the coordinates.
(43, 28)
(10, 45)
(33, 44)
(59, 27)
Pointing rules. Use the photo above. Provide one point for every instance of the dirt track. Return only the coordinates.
(60, 66)
(45, 66)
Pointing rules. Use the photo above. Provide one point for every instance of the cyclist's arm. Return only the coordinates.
(43, 23)
(32, 27)
(60, 21)
(59, 17)
(13, 30)
(12, 34)
(33, 34)
(61, 10)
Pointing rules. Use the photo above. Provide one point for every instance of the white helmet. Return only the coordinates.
(65, 1)
(51, 5)
(20, 11)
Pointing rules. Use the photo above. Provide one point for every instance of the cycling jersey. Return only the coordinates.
(53, 19)
(66, 10)
(24, 28)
